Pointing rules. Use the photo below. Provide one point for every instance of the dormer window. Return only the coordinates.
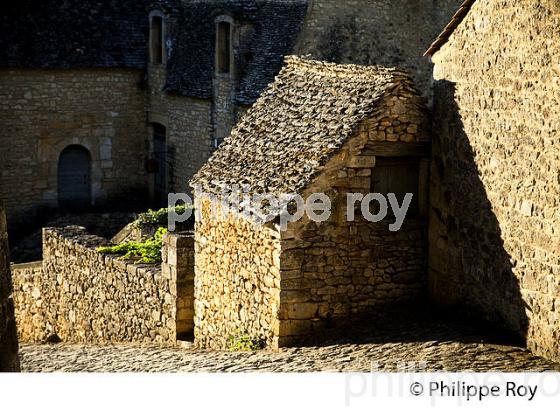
(157, 40)
(224, 49)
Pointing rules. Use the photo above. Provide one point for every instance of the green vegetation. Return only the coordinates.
(159, 217)
(142, 252)
(240, 342)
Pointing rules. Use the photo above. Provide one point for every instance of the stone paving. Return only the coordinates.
(435, 346)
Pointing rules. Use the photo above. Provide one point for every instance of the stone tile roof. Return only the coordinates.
(115, 33)
(73, 33)
(297, 124)
(275, 27)
(450, 28)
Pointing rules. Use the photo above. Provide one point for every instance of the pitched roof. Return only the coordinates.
(297, 124)
(114, 33)
(450, 28)
(273, 29)
(73, 34)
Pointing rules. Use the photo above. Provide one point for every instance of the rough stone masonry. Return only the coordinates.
(9, 360)
(495, 192)
(319, 128)
(82, 296)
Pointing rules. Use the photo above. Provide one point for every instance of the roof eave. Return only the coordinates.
(456, 20)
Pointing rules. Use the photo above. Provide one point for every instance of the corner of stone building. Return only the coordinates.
(9, 359)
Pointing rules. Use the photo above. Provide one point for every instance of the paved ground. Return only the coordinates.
(432, 345)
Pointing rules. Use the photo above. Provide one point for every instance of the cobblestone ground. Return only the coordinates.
(436, 346)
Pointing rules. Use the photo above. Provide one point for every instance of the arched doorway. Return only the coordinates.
(160, 157)
(74, 177)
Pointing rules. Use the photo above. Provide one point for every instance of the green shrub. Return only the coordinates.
(144, 252)
(158, 217)
(240, 342)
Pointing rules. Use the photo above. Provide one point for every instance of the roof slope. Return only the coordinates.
(274, 25)
(73, 34)
(297, 124)
(450, 28)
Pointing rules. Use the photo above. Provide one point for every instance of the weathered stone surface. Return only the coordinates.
(178, 267)
(189, 128)
(393, 33)
(237, 279)
(338, 271)
(45, 111)
(410, 344)
(495, 192)
(314, 274)
(303, 118)
(85, 297)
(9, 360)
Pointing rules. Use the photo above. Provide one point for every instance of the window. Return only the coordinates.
(223, 47)
(399, 176)
(156, 40)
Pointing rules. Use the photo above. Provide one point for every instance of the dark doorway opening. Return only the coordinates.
(74, 177)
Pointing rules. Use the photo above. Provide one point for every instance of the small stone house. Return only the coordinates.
(319, 128)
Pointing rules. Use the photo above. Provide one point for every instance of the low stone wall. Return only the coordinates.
(9, 360)
(178, 262)
(34, 318)
(83, 296)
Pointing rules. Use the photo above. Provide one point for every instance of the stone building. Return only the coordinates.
(319, 128)
(72, 107)
(495, 191)
(209, 61)
(111, 102)
(9, 360)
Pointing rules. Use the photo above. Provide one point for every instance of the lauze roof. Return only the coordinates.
(297, 124)
(114, 33)
(274, 25)
(73, 34)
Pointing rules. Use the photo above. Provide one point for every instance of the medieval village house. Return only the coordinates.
(495, 191)
(319, 128)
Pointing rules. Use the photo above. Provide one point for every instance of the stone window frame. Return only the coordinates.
(219, 22)
(163, 41)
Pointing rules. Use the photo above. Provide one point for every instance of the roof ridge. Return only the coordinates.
(304, 62)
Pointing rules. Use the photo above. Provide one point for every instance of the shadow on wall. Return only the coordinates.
(468, 265)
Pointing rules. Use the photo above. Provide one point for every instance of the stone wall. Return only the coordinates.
(188, 122)
(178, 262)
(9, 360)
(82, 296)
(237, 279)
(495, 192)
(337, 272)
(44, 111)
(384, 32)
